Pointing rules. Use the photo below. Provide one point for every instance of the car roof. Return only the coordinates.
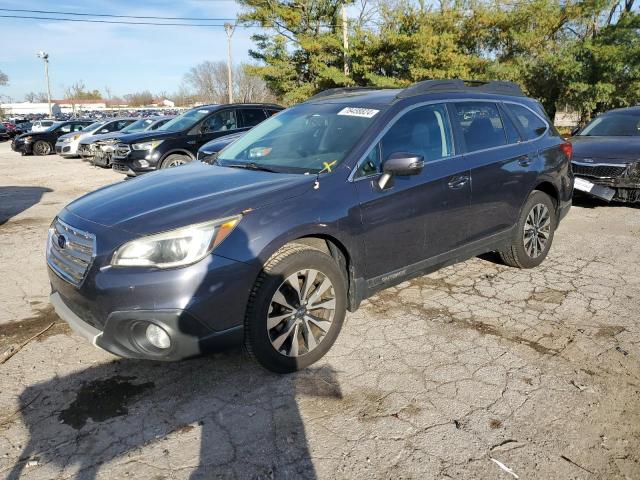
(635, 109)
(455, 88)
(217, 106)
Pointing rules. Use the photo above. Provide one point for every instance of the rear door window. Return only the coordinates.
(251, 116)
(530, 124)
(481, 125)
(220, 121)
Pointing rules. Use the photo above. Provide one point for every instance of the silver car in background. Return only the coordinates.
(67, 144)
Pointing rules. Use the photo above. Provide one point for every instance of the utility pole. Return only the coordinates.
(45, 57)
(228, 28)
(345, 39)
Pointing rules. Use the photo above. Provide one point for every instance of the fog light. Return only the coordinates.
(143, 163)
(158, 337)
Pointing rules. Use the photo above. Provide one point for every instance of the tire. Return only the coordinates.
(537, 220)
(175, 160)
(273, 289)
(41, 148)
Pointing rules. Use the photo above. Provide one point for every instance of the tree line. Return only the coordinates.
(579, 54)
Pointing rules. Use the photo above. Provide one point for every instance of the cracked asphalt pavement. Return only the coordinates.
(473, 372)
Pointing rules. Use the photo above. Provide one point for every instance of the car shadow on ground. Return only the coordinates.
(15, 200)
(245, 420)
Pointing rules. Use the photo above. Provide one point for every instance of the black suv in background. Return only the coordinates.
(43, 143)
(306, 215)
(177, 141)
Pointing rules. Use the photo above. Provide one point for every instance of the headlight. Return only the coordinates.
(175, 248)
(27, 139)
(146, 145)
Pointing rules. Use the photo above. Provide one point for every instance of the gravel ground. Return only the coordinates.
(452, 375)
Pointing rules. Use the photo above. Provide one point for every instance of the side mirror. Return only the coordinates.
(400, 163)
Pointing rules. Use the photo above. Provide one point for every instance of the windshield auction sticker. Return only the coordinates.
(358, 112)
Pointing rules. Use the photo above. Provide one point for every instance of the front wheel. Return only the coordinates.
(296, 309)
(175, 160)
(41, 148)
(534, 232)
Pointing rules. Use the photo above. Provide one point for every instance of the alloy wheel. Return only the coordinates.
(301, 312)
(175, 163)
(42, 148)
(537, 229)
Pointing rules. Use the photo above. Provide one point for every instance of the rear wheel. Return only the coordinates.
(296, 309)
(42, 148)
(175, 160)
(534, 232)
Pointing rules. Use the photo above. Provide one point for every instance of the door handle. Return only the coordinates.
(458, 182)
(524, 161)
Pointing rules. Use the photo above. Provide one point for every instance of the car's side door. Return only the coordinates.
(413, 217)
(500, 163)
(222, 122)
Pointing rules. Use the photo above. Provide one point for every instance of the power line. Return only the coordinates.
(119, 22)
(114, 16)
(124, 23)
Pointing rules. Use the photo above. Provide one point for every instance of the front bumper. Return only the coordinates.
(68, 149)
(200, 306)
(22, 147)
(134, 162)
(615, 181)
(123, 333)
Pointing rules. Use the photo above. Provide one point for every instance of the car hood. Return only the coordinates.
(29, 134)
(145, 136)
(185, 195)
(103, 136)
(611, 149)
(219, 143)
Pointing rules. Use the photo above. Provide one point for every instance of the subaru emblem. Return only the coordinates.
(62, 241)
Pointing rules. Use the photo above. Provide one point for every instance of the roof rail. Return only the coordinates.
(338, 91)
(457, 85)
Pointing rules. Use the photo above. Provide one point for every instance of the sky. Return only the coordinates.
(125, 58)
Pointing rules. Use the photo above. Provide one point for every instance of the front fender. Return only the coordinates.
(330, 211)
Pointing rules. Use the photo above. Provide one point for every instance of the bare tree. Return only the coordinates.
(249, 88)
(209, 81)
(4, 78)
(140, 99)
(33, 97)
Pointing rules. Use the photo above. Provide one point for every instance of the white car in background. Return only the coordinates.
(42, 125)
(67, 144)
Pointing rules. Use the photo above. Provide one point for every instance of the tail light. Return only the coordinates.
(567, 149)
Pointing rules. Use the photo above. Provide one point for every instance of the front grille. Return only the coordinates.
(600, 171)
(121, 150)
(70, 251)
(120, 167)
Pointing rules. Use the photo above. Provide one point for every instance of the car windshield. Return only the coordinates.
(185, 121)
(137, 126)
(304, 139)
(614, 125)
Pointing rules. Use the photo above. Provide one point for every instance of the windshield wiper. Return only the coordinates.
(248, 166)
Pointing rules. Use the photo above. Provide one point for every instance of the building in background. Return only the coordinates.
(29, 108)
